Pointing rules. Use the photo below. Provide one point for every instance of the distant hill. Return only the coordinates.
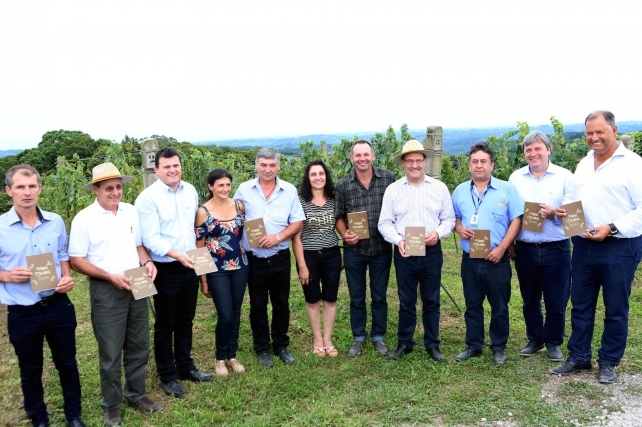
(456, 140)
(5, 153)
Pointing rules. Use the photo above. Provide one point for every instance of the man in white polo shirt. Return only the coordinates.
(105, 241)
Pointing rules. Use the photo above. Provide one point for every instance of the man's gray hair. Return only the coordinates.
(535, 136)
(609, 117)
(24, 169)
(267, 153)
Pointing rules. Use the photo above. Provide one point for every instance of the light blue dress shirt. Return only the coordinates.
(167, 219)
(18, 240)
(549, 189)
(500, 205)
(281, 210)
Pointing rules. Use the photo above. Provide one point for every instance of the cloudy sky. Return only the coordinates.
(207, 70)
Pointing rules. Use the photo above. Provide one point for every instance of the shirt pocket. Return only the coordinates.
(500, 213)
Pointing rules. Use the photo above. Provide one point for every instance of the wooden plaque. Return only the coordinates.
(141, 284)
(255, 230)
(532, 220)
(43, 269)
(358, 224)
(203, 261)
(574, 222)
(480, 244)
(415, 241)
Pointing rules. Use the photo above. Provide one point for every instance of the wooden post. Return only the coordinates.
(149, 147)
(434, 141)
(628, 141)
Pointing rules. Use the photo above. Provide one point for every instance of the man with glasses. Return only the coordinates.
(417, 200)
(486, 203)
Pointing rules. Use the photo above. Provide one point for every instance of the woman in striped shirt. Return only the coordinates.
(318, 257)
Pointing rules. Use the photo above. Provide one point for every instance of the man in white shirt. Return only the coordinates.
(166, 210)
(417, 200)
(607, 182)
(104, 242)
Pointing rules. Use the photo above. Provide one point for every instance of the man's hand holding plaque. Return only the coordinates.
(255, 230)
(203, 261)
(480, 244)
(140, 283)
(415, 241)
(572, 217)
(43, 272)
(532, 220)
(358, 224)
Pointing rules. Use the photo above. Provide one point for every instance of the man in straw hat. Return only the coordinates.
(33, 316)
(417, 200)
(105, 241)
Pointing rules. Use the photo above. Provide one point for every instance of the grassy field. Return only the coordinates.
(364, 391)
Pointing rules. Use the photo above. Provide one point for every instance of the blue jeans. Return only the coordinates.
(611, 265)
(483, 279)
(544, 269)
(379, 271)
(227, 288)
(28, 326)
(426, 270)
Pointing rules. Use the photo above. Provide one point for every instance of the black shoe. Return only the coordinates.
(499, 357)
(435, 354)
(532, 348)
(196, 376)
(265, 359)
(555, 354)
(173, 388)
(571, 367)
(399, 351)
(286, 356)
(75, 423)
(467, 354)
(606, 374)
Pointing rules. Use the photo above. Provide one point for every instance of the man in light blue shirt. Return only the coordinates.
(33, 316)
(277, 202)
(486, 203)
(166, 210)
(543, 259)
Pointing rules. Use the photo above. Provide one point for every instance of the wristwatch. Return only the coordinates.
(614, 229)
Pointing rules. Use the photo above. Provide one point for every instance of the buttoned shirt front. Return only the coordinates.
(167, 219)
(282, 209)
(351, 196)
(406, 205)
(18, 240)
(612, 193)
(106, 240)
(500, 204)
(548, 189)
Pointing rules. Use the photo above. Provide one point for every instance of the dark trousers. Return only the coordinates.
(227, 288)
(425, 270)
(378, 267)
(324, 266)
(609, 265)
(544, 270)
(270, 278)
(121, 328)
(175, 305)
(485, 280)
(54, 320)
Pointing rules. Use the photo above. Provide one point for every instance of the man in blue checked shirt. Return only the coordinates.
(28, 230)
(486, 203)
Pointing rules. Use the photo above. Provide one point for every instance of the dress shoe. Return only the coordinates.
(112, 417)
(145, 404)
(380, 347)
(499, 357)
(399, 351)
(467, 354)
(265, 359)
(356, 349)
(532, 348)
(435, 354)
(196, 376)
(173, 388)
(285, 356)
(571, 367)
(75, 423)
(555, 354)
(606, 374)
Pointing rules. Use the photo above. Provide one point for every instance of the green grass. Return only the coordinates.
(364, 391)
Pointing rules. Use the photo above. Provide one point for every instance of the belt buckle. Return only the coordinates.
(45, 301)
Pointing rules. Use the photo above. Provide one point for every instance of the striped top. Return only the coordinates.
(318, 227)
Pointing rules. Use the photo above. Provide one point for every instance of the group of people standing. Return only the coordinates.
(109, 237)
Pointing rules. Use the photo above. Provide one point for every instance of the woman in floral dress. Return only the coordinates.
(219, 227)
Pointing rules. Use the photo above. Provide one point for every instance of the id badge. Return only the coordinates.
(474, 219)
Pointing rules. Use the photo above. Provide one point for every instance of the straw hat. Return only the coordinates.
(103, 172)
(413, 146)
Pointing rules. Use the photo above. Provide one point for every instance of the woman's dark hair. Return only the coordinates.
(306, 187)
(215, 175)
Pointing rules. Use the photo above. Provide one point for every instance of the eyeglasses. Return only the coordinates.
(414, 161)
(111, 188)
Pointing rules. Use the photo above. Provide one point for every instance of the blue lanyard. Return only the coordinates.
(480, 200)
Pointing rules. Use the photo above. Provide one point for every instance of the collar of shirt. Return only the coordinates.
(13, 217)
(99, 209)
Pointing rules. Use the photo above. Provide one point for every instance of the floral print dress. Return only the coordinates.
(223, 238)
